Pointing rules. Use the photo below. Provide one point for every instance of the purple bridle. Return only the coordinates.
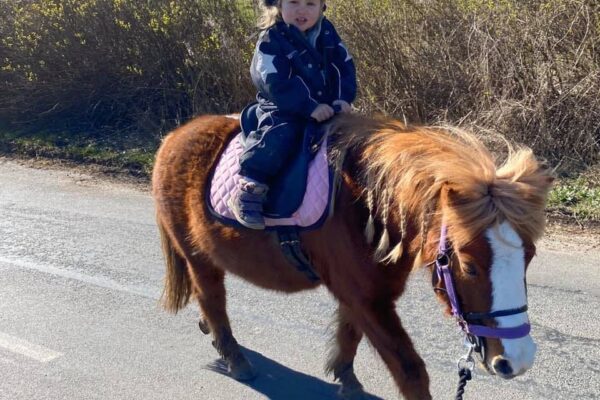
(442, 266)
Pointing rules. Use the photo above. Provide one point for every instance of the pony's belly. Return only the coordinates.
(257, 258)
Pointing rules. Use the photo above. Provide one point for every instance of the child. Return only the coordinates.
(301, 69)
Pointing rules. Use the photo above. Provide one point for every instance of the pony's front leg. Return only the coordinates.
(341, 357)
(381, 324)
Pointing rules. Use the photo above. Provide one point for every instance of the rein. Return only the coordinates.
(472, 331)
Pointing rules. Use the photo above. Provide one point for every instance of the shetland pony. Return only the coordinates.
(399, 186)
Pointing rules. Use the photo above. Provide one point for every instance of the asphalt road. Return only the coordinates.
(80, 276)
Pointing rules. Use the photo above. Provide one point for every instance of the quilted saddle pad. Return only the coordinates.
(311, 213)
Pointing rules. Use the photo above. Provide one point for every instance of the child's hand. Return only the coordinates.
(346, 108)
(322, 113)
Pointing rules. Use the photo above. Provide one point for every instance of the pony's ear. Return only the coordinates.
(523, 167)
(547, 172)
(543, 173)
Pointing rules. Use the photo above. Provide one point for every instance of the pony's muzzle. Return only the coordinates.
(502, 367)
(517, 358)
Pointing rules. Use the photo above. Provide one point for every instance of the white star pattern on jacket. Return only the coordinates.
(264, 65)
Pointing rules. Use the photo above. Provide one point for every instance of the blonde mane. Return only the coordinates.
(410, 170)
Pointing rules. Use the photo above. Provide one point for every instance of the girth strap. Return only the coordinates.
(289, 241)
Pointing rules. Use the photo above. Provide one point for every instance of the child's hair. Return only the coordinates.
(270, 13)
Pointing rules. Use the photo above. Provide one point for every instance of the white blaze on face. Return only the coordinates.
(508, 291)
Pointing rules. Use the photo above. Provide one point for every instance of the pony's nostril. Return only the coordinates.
(502, 367)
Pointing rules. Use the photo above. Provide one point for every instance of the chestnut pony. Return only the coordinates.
(400, 185)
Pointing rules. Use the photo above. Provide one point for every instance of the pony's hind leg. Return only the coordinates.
(209, 283)
(341, 356)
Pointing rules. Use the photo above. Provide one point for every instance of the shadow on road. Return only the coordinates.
(278, 382)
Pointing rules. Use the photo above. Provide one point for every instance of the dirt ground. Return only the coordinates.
(570, 235)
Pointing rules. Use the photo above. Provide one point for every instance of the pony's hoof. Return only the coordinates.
(351, 388)
(240, 369)
(203, 326)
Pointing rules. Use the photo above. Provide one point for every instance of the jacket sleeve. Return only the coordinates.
(345, 66)
(271, 72)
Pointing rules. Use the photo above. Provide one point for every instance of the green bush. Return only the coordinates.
(106, 65)
(579, 196)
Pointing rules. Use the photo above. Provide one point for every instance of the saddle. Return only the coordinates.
(300, 194)
(300, 197)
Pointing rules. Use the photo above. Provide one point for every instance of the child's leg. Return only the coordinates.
(266, 151)
(269, 148)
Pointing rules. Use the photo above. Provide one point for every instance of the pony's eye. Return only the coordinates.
(469, 269)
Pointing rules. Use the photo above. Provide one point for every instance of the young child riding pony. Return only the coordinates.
(301, 69)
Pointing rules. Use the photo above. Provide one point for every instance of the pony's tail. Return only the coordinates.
(177, 289)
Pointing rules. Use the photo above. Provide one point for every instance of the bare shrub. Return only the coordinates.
(527, 69)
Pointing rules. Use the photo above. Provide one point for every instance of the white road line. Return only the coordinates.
(100, 281)
(31, 350)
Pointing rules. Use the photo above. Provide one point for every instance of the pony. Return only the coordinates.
(403, 190)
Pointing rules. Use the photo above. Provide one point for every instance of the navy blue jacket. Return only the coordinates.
(294, 77)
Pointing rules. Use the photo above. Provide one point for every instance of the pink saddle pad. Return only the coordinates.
(314, 203)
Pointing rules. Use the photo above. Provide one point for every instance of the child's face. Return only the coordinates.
(303, 14)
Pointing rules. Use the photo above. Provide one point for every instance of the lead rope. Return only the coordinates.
(464, 375)
(465, 368)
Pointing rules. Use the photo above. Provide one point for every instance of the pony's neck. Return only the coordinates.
(407, 175)
(402, 199)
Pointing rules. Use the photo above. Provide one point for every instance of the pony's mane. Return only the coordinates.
(407, 169)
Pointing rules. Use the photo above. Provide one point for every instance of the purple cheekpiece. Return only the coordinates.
(442, 265)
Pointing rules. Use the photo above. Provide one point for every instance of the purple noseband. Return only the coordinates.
(442, 266)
